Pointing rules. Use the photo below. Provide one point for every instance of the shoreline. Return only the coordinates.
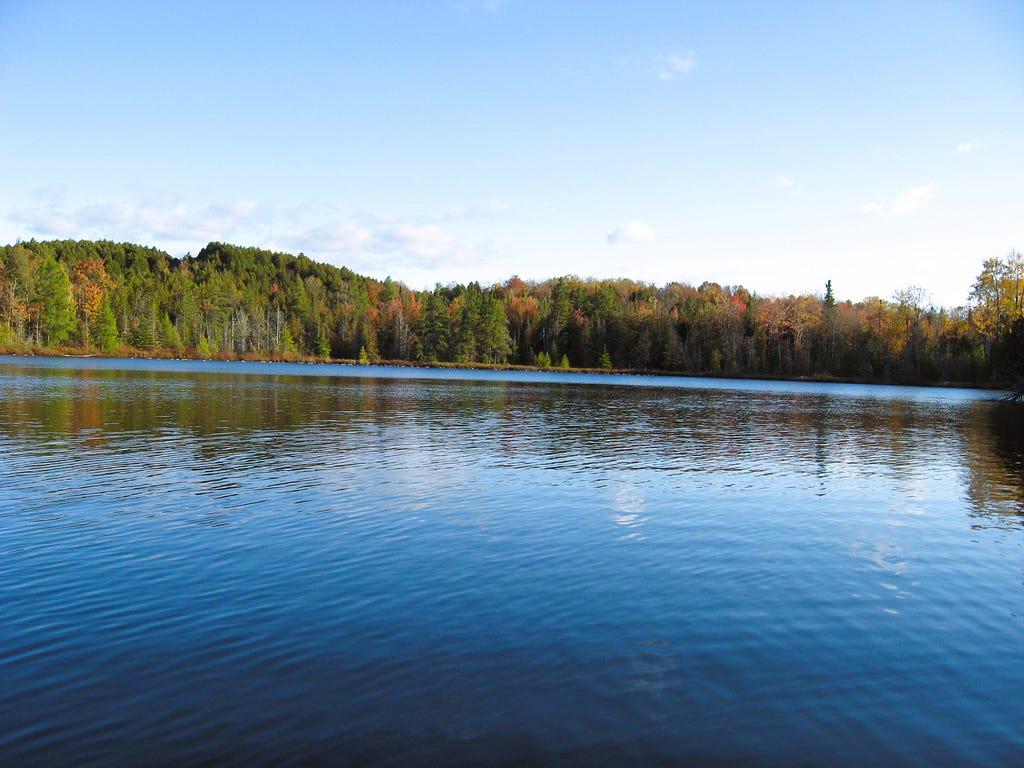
(129, 353)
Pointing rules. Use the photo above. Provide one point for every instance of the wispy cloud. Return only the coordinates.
(338, 236)
(51, 194)
(675, 65)
(633, 232)
(906, 202)
(368, 241)
(359, 240)
(786, 182)
(966, 147)
(155, 217)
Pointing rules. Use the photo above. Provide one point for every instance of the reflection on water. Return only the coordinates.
(996, 464)
(274, 564)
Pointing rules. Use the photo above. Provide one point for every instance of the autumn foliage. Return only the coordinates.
(229, 301)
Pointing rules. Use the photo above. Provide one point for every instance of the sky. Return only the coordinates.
(774, 145)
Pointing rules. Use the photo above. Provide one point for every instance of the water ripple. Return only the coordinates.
(286, 569)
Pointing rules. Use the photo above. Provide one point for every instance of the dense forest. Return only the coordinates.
(235, 302)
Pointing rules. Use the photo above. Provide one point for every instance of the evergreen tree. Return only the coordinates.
(495, 342)
(57, 307)
(434, 328)
(323, 345)
(829, 322)
(106, 329)
(169, 334)
(287, 341)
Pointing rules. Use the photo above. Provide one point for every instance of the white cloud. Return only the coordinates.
(154, 218)
(906, 202)
(634, 232)
(966, 147)
(427, 242)
(786, 182)
(55, 225)
(362, 241)
(339, 236)
(370, 242)
(675, 64)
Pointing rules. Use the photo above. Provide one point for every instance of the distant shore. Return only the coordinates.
(126, 353)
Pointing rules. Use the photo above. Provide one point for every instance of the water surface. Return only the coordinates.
(269, 564)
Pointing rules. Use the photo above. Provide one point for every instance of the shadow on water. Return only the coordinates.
(995, 463)
(1006, 421)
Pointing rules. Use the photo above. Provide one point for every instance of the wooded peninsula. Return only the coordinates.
(230, 302)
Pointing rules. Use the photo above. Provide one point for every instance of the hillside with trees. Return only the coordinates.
(235, 302)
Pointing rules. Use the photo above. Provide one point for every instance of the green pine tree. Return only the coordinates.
(287, 342)
(169, 334)
(203, 348)
(53, 289)
(106, 329)
(323, 345)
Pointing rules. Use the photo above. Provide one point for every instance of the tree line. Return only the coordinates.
(230, 301)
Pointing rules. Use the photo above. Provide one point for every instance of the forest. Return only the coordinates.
(231, 302)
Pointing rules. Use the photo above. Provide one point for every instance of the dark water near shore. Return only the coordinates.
(265, 564)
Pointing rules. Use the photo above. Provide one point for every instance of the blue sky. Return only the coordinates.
(775, 145)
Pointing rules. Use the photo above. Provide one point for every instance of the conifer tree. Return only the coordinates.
(57, 308)
(106, 329)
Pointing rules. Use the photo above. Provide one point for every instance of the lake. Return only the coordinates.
(272, 564)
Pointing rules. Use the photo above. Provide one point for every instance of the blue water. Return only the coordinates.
(268, 564)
